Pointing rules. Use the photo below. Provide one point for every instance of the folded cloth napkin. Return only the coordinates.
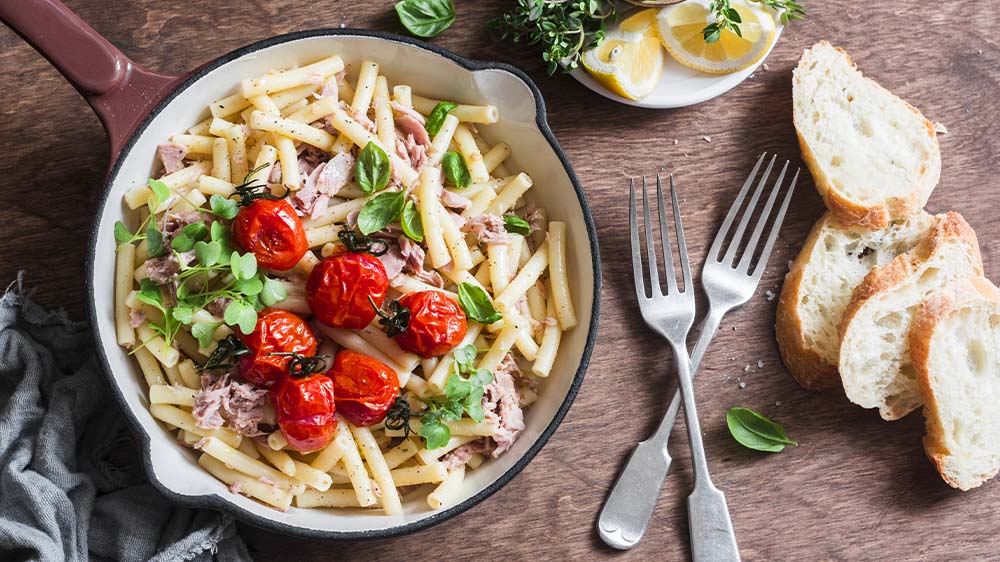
(64, 494)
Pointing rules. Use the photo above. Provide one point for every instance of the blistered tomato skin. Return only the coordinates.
(305, 408)
(437, 324)
(276, 331)
(272, 232)
(365, 387)
(339, 287)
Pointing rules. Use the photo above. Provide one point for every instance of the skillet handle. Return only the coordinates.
(119, 91)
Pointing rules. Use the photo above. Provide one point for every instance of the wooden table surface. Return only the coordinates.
(856, 488)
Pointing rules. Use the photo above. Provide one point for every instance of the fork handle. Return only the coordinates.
(709, 327)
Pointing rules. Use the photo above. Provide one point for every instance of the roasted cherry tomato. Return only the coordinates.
(272, 231)
(437, 324)
(305, 408)
(366, 387)
(276, 331)
(339, 288)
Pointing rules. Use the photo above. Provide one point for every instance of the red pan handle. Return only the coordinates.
(121, 92)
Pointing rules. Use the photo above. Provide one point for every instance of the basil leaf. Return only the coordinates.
(122, 234)
(182, 314)
(465, 357)
(160, 193)
(516, 225)
(372, 170)
(426, 18)
(455, 170)
(182, 243)
(435, 433)
(476, 304)
(436, 118)
(380, 210)
(203, 332)
(249, 287)
(273, 293)
(208, 253)
(154, 242)
(413, 225)
(149, 293)
(756, 432)
(241, 314)
(223, 207)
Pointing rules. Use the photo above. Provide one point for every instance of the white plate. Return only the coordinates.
(679, 85)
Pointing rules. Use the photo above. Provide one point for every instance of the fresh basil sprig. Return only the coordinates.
(756, 432)
(426, 18)
(372, 170)
(476, 304)
(455, 170)
(413, 225)
(516, 225)
(436, 118)
(380, 211)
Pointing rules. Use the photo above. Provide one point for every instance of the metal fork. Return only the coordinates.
(728, 284)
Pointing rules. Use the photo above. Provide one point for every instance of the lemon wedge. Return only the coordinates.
(680, 28)
(630, 59)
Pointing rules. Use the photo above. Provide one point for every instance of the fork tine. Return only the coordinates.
(633, 225)
(744, 264)
(654, 273)
(681, 244)
(713, 252)
(766, 253)
(735, 243)
(668, 259)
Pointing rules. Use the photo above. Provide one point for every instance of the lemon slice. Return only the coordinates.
(630, 59)
(680, 28)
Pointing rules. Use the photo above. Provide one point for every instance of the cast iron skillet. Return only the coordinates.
(126, 97)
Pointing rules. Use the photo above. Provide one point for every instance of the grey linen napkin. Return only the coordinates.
(63, 494)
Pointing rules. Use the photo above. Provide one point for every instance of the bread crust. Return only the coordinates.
(931, 312)
(851, 213)
(806, 366)
(951, 226)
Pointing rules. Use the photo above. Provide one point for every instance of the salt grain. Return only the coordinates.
(676, 141)
(707, 138)
(777, 402)
(760, 364)
(765, 67)
(743, 384)
(940, 129)
(746, 368)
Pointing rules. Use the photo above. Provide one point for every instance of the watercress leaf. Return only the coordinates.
(219, 231)
(182, 292)
(474, 404)
(249, 287)
(244, 267)
(241, 314)
(122, 234)
(380, 210)
(516, 225)
(426, 18)
(154, 242)
(208, 253)
(754, 431)
(182, 242)
(273, 293)
(457, 388)
(436, 118)
(149, 293)
(183, 314)
(476, 304)
(452, 410)
(435, 433)
(203, 331)
(455, 170)
(372, 170)
(413, 225)
(465, 357)
(195, 231)
(160, 192)
(481, 377)
(223, 207)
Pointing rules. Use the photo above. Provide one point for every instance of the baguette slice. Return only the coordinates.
(817, 289)
(874, 157)
(955, 344)
(875, 365)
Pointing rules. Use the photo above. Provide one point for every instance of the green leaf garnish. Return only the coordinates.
(160, 193)
(381, 210)
(183, 314)
(756, 432)
(242, 315)
(435, 433)
(372, 170)
(273, 292)
(436, 118)
(223, 207)
(122, 233)
(516, 225)
(249, 287)
(208, 253)
(465, 357)
(426, 18)
(455, 170)
(154, 241)
(244, 267)
(476, 304)
(726, 17)
(182, 243)
(410, 221)
(203, 332)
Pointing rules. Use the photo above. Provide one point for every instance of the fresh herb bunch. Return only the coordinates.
(726, 17)
(564, 28)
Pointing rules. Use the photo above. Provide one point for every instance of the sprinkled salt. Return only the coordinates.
(743, 384)
(746, 368)
(707, 138)
(760, 364)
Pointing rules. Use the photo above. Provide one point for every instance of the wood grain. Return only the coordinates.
(856, 488)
